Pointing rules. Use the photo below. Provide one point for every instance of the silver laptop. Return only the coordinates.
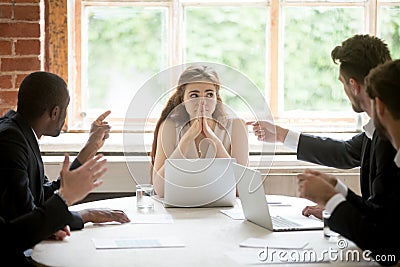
(255, 207)
(205, 182)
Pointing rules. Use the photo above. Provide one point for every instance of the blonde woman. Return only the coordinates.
(194, 125)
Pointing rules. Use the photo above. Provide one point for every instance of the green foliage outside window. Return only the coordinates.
(310, 76)
(232, 36)
(390, 29)
(127, 45)
(124, 45)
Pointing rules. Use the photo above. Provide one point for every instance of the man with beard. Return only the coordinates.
(379, 181)
(383, 87)
(378, 234)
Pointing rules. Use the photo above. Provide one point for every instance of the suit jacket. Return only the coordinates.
(23, 184)
(378, 235)
(27, 230)
(379, 178)
(359, 217)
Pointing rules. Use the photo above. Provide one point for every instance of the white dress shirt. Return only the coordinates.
(34, 133)
(292, 140)
(369, 129)
(397, 158)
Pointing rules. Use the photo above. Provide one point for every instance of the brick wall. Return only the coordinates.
(20, 47)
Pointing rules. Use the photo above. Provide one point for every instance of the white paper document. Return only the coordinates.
(273, 243)
(151, 218)
(236, 214)
(120, 243)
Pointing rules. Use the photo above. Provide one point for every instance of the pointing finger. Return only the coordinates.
(103, 116)
(253, 123)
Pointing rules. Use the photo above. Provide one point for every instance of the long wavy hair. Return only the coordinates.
(192, 74)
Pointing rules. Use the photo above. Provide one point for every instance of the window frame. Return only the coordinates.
(176, 49)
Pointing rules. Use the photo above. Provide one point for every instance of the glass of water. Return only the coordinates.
(144, 196)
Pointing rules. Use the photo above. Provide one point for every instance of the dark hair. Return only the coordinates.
(384, 82)
(192, 74)
(358, 55)
(40, 92)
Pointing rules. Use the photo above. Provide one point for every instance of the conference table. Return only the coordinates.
(195, 237)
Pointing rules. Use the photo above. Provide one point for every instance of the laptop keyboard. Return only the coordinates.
(278, 221)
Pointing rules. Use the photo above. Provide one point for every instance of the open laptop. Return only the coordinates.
(255, 207)
(204, 182)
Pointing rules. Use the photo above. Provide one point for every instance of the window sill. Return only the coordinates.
(280, 173)
(140, 144)
(123, 172)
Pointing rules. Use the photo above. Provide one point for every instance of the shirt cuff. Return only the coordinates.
(292, 140)
(333, 202)
(341, 188)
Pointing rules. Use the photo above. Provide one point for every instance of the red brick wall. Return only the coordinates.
(20, 47)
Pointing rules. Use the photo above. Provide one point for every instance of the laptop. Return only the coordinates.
(255, 207)
(204, 182)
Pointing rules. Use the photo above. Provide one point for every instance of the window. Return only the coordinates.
(389, 25)
(282, 46)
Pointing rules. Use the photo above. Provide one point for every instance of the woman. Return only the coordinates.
(194, 125)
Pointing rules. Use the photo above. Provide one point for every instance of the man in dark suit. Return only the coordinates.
(27, 230)
(378, 178)
(378, 234)
(41, 110)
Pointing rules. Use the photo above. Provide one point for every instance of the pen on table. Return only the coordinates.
(278, 204)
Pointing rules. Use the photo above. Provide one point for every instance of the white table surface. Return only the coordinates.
(211, 238)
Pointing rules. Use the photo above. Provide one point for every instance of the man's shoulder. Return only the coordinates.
(10, 130)
(383, 147)
(7, 120)
(8, 125)
(382, 142)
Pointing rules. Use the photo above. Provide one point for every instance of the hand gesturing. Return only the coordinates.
(100, 130)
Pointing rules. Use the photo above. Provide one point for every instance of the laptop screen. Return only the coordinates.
(199, 182)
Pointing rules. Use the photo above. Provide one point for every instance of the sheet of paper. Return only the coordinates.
(236, 214)
(151, 218)
(273, 243)
(115, 243)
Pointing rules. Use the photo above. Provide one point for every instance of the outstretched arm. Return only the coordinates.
(268, 132)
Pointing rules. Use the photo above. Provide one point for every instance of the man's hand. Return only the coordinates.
(332, 180)
(78, 183)
(61, 234)
(268, 132)
(103, 215)
(315, 188)
(313, 211)
(99, 132)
